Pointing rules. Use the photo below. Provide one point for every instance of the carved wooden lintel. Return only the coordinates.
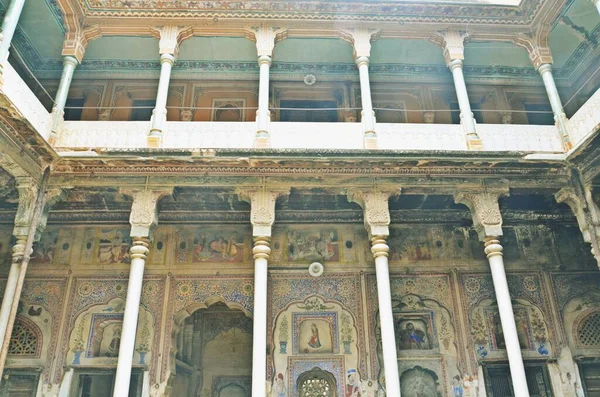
(485, 210)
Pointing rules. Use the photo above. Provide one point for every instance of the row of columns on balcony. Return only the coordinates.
(266, 36)
(35, 202)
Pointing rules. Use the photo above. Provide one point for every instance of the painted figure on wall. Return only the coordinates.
(353, 386)
(522, 331)
(279, 389)
(314, 340)
(321, 245)
(115, 343)
(113, 247)
(471, 386)
(457, 389)
(412, 338)
(213, 247)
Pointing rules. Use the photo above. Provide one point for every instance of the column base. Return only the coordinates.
(154, 139)
(262, 140)
(474, 144)
(370, 140)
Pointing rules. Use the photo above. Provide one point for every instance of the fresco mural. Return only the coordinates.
(209, 244)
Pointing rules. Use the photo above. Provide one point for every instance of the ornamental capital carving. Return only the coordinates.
(485, 210)
(76, 41)
(262, 208)
(589, 226)
(27, 188)
(170, 37)
(452, 42)
(266, 36)
(361, 39)
(536, 45)
(144, 210)
(51, 198)
(375, 209)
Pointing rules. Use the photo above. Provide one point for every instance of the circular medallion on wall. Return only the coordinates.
(315, 269)
(310, 79)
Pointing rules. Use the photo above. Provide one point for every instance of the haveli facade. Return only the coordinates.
(398, 198)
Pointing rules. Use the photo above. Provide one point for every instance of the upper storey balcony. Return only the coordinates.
(233, 86)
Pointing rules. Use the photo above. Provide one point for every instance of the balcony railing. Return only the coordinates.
(586, 121)
(297, 135)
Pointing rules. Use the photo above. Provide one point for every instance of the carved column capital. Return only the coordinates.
(375, 209)
(265, 36)
(76, 41)
(51, 197)
(27, 188)
(361, 39)
(262, 209)
(170, 37)
(484, 210)
(144, 210)
(452, 42)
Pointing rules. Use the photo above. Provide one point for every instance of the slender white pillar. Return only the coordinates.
(559, 115)
(9, 25)
(139, 251)
(380, 251)
(11, 284)
(159, 114)
(597, 4)
(493, 250)
(466, 114)
(261, 253)
(58, 110)
(262, 114)
(65, 385)
(368, 116)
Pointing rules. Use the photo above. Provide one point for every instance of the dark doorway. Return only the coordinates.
(309, 111)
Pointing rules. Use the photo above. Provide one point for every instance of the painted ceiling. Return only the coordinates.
(574, 41)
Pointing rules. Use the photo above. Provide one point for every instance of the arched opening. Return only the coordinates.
(316, 383)
(214, 353)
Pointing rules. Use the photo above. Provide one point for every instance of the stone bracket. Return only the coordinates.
(375, 205)
(452, 42)
(262, 208)
(144, 210)
(170, 37)
(537, 47)
(485, 210)
(76, 41)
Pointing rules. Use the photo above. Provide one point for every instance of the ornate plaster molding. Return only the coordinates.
(536, 45)
(265, 36)
(170, 37)
(360, 39)
(28, 190)
(376, 210)
(485, 210)
(144, 210)
(262, 208)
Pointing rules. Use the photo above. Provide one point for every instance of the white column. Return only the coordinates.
(368, 116)
(139, 251)
(487, 221)
(262, 114)
(559, 115)
(493, 250)
(466, 114)
(380, 251)
(597, 4)
(11, 284)
(261, 253)
(58, 110)
(159, 114)
(9, 25)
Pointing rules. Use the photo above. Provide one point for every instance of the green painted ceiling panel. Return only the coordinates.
(123, 48)
(218, 49)
(414, 52)
(563, 42)
(313, 50)
(42, 29)
(584, 14)
(496, 54)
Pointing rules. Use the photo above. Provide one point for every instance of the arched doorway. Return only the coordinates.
(316, 383)
(214, 353)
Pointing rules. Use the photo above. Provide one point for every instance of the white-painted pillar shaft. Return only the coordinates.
(384, 296)
(69, 64)
(555, 103)
(368, 118)
(466, 114)
(493, 249)
(9, 296)
(160, 109)
(139, 250)
(261, 253)
(264, 63)
(9, 25)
